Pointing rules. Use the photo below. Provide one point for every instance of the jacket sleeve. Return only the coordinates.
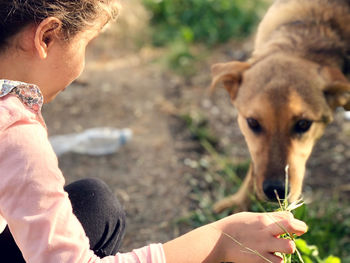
(38, 210)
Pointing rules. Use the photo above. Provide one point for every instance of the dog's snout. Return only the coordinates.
(272, 188)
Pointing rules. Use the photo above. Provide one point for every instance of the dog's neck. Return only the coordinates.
(319, 42)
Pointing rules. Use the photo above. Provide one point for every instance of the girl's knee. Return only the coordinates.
(91, 197)
(95, 195)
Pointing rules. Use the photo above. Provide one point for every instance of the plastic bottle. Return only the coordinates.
(95, 141)
(347, 115)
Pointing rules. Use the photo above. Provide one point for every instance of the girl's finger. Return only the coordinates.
(291, 225)
(281, 245)
(273, 258)
(263, 258)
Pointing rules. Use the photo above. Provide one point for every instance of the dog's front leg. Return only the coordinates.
(240, 200)
(347, 106)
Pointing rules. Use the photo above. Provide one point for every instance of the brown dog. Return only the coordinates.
(286, 93)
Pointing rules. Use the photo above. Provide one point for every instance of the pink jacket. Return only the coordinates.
(33, 202)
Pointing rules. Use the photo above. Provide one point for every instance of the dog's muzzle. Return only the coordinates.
(274, 188)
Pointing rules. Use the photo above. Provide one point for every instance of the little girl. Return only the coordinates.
(42, 49)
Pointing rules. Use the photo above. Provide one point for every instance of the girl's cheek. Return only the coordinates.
(77, 68)
(82, 67)
(82, 61)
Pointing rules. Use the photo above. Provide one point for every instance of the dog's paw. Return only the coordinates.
(233, 203)
(221, 206)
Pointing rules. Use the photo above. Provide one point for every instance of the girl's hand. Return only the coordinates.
(251, 232)
(256, 232)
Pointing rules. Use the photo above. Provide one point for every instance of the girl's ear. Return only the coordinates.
(46, 34)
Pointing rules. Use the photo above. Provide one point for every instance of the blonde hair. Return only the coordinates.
(75, 15)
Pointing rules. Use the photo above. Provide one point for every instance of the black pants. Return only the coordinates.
(98, 211)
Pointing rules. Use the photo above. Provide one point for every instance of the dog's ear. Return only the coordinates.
(338, 94)
(337, 91)
(230, 74)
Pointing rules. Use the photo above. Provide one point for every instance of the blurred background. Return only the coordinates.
(150, 72)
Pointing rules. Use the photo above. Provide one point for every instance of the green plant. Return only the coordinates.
(310, 253)
(329, 223)
(181, 59)
(205, 21)
(178, 24)
(304, 253)
(198, 126)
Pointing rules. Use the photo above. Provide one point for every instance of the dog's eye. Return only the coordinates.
(254, 125)
(302, 126)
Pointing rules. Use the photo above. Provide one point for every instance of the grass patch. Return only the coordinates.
(189, 27)
(216, 176)
(202, 21)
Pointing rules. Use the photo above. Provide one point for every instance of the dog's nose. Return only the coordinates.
(270, 188)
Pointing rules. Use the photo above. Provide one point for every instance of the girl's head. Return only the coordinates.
(75, 15)
(55, 33)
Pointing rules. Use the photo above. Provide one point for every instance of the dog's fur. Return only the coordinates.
(295, 77)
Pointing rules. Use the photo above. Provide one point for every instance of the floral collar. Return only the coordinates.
(29, 94)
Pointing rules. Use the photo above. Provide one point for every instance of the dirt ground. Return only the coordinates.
(121, 87)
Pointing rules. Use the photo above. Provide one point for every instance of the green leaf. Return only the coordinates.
(303, 247)
(187, 34)
(307, 259)
(332, 259)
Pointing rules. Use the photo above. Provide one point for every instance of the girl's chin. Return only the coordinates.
(52, 97)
